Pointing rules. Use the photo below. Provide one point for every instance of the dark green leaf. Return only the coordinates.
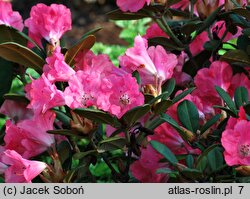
(174, 124)
(203, 157)
(227, 110)
(168, 86)
(215, 158)
(166, 171)
(6, 76)
(210, 123)
(81, 155)
(190, 161)
(120, 15)
(227, 99)
(236, 56)
(165, 151)
(83, 44)
(61, 116)
(64, 132)
(195, 63)
(243, 12)
(19, 54)
(112, 143)
(192, 173)
(65, 154)
(168, 44)
(188, 115)
(133, 115)
(9, 34)
(162, 106)
(241, 96)
(182, 95)
(98, 116)
(154, 123)
(212, 45)
(16, 97)
(151, 102)
(190, 27)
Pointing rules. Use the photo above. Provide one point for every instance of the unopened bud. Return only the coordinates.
(188, 134)
(206, 7)
(244, 170)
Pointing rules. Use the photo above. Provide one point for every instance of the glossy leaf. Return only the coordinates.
(98, 116)
(85, 43)
(188, 115)
(240, 96)
(64, 132)
(227, 99)
(210, 123)
(9, 34)
(165, 151)
(236, 56)
(133, 115)
(168, 87)
(22, 55)
(162, 106)
(182, 95)
(111, 144)
(61, 116)
(215, 158)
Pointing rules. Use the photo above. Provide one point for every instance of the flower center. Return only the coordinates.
(244, 150)
(85, 98)
(124, 99)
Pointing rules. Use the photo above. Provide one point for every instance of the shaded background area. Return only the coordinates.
(86, 15)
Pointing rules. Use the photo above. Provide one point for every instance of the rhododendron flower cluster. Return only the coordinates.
(48, 22)
(176, 109)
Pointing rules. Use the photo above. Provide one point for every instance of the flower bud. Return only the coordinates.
(188, 134)
(244, 170)
(206, 7)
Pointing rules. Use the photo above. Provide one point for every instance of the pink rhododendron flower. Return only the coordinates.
(131, 5)
(218, 74)
(236, 143)
(183, 4)
(220, 27)
(29, 137)
(145, 168)
(154, 31)
(239, 79)
(196, 46)
(17, 111)
(19, 169)
(48, 22)
(56, 68)
(168, 136)
(83, 90)
(98, 82)
(10, 17)
(124, 95)
(43, 95)
(89, 62)
(152, 63)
